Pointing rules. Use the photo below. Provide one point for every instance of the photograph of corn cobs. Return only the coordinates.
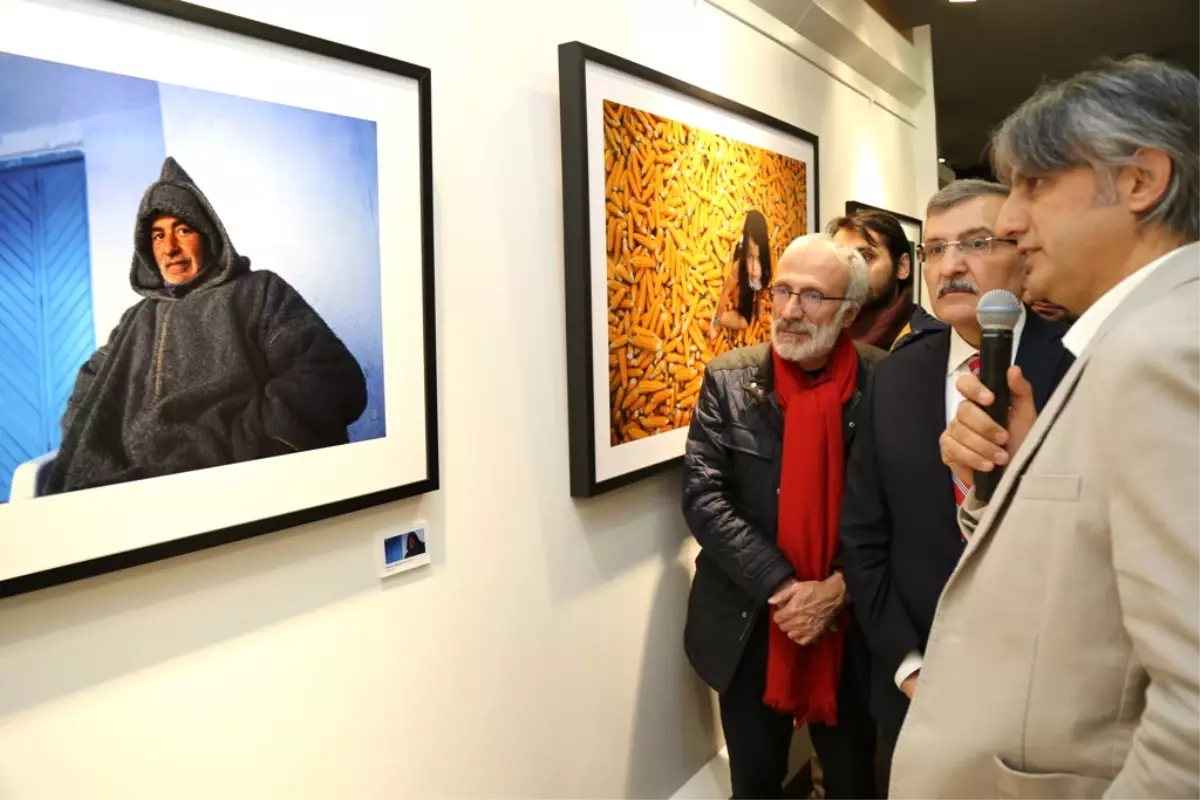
(695, 223)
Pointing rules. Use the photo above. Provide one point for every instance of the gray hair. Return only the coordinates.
(859, 283)
(1100, 118)
(956, 192)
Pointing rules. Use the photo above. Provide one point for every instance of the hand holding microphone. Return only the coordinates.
(998, 410)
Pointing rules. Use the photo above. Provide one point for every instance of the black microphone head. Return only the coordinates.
(998, 310)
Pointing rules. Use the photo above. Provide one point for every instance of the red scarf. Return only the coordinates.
(803, 681)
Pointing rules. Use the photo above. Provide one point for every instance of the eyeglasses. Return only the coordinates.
(810, 299)
(976, 246)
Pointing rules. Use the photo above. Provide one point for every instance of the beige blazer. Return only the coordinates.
(1064, 657)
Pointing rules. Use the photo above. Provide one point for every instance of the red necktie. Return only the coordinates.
(960, 488)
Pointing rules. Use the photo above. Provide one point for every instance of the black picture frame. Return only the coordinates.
(853, 206)
(244, 27)
(573, 58)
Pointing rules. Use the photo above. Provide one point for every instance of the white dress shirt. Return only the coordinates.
(959, 362)
(1084, 330)
(957, 365)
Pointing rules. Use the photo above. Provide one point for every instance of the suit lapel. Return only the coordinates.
(928, 387)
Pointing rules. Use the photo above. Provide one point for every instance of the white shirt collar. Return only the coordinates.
(961, 350)
(1085, 328)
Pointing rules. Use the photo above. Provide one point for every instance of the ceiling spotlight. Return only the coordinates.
(942, 160)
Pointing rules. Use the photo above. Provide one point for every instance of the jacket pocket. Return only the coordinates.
(1063, 488)
(745, 440)
(713, 587)
(1011, 783)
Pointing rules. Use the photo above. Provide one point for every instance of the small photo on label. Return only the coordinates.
(404, 551)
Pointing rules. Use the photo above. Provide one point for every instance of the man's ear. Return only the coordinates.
(904, 267)
(850, 316)
(1144, 182)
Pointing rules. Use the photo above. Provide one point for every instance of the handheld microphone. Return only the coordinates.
(997, 312)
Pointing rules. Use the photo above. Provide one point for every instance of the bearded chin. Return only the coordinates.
(886, 296)
(820, 342)
(795, 351)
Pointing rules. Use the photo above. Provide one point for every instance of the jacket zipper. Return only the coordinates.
(750, 620)
(162, 341)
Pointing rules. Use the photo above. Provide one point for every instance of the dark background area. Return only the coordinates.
(990, 55)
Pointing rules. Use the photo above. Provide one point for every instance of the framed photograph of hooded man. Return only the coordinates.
(677, 202)
(202, 223)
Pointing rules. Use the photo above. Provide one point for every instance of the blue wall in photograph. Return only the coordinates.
(46, 328)
(297, 191)
(116, 124)
(393, 549)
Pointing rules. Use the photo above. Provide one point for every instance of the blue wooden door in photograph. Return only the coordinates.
(46, 328)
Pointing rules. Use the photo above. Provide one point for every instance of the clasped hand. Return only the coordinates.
(804, 610)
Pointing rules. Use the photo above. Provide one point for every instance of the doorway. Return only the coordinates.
(46, 319)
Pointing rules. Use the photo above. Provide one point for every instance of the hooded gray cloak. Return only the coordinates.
(232, 366)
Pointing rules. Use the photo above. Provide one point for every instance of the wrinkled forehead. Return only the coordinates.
(165, 222)
(975, 215)
(813, 267)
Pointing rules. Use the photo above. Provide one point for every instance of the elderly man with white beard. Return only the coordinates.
(767, 625)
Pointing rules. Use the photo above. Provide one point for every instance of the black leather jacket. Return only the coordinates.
(731, 503)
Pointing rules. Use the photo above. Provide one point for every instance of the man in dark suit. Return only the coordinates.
(899, 534)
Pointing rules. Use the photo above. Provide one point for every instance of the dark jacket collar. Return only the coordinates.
(1040, 355)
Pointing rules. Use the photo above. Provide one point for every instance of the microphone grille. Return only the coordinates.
(998, 310)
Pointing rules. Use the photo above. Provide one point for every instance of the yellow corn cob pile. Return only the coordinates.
(677, 198)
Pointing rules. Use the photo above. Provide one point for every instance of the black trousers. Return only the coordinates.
(758, 737)
(887, 749)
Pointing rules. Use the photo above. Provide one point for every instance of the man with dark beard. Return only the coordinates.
(900, 539)
(763, 472)
(882, 243)
(216, 363)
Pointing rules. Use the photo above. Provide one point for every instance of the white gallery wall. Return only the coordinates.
(541, 653)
